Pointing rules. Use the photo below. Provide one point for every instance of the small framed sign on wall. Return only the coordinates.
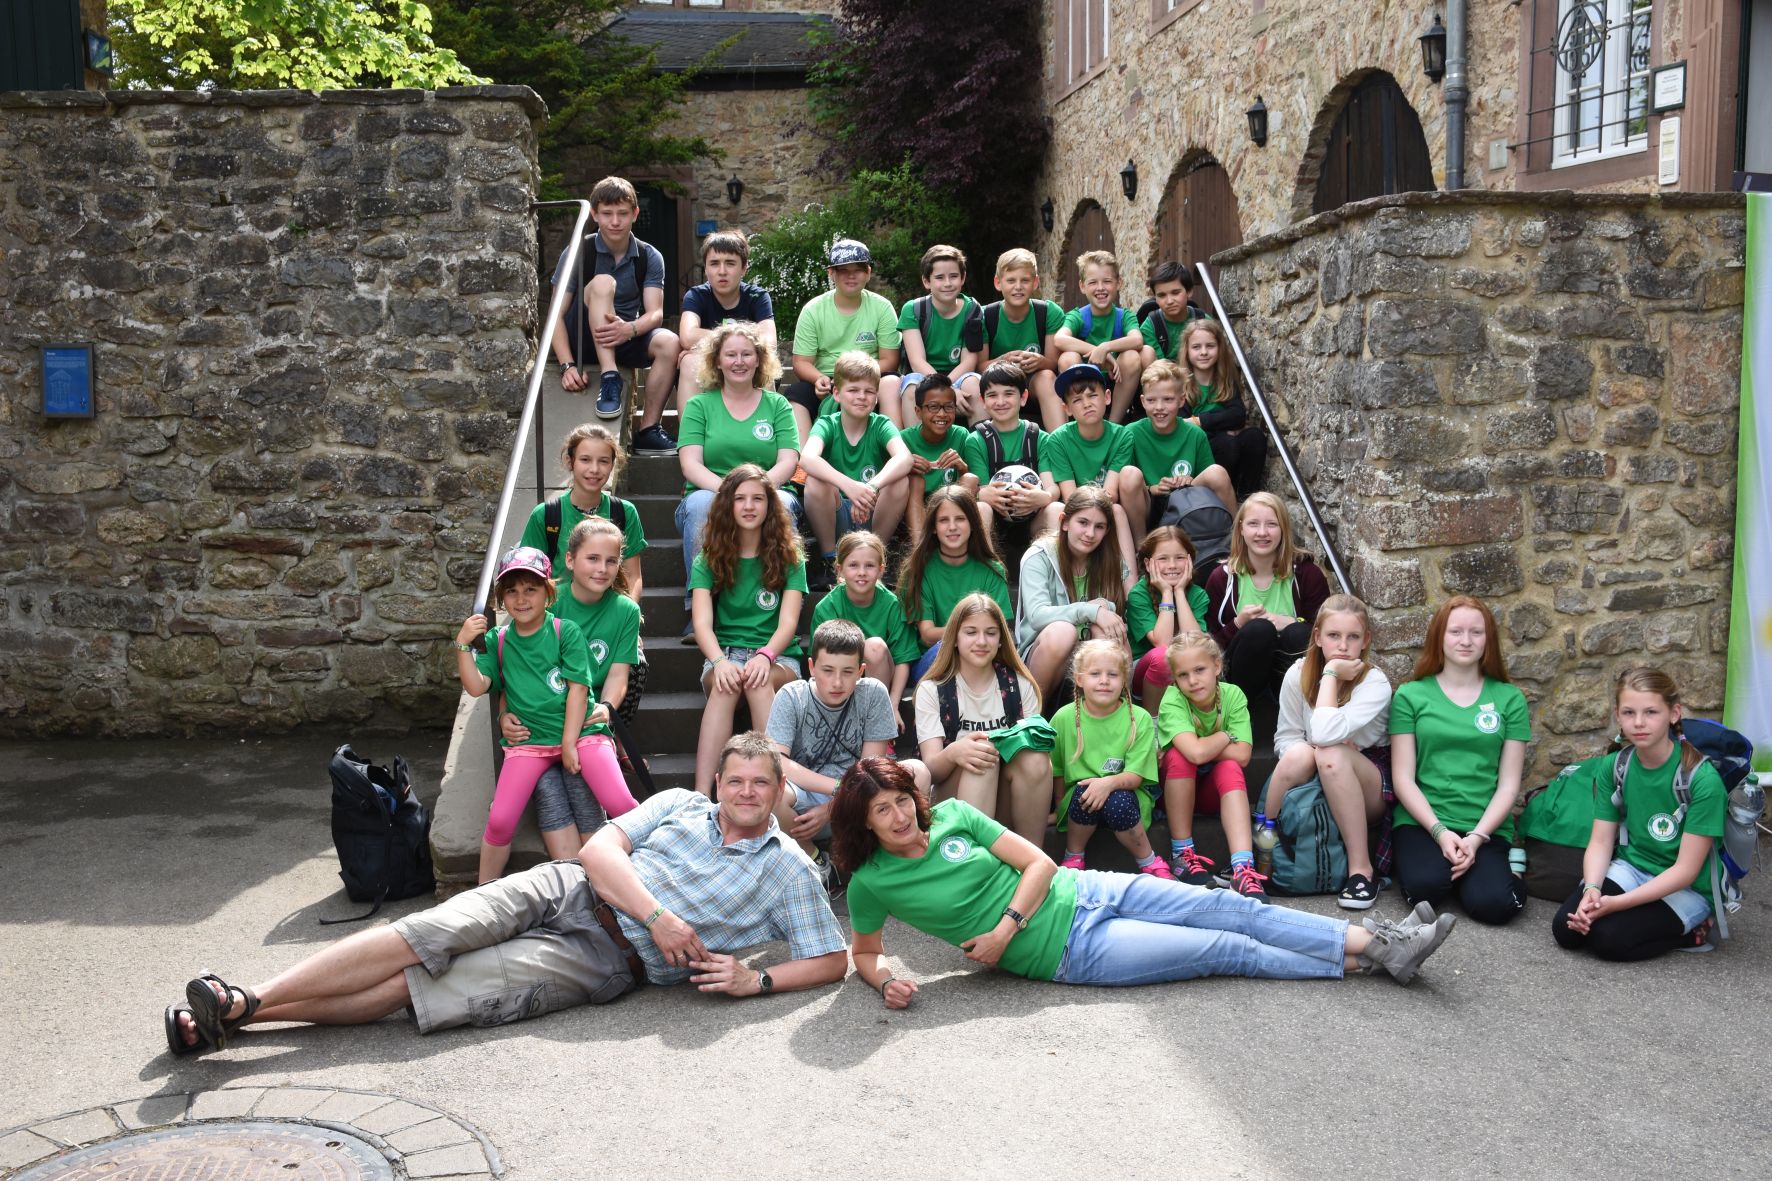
(67, 380)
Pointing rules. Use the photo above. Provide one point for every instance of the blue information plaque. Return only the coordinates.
(704, 228)
(67, 380)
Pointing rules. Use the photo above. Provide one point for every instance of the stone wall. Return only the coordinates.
(311, 316)
(1528, 399)
(769, 141)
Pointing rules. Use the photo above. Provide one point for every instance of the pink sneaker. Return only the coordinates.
(1071, 861)
(1158, 870)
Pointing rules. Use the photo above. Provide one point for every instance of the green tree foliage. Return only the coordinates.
(893, 211)
(261, 44)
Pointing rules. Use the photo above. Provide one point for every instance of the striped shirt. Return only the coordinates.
(736, 896)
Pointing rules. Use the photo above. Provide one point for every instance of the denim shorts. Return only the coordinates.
(739, 655)
(1689, 904)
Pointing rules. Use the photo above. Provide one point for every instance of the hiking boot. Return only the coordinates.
(1189, 867)
(1421, 916)
(653, 441)
(1400, 952)
(1157, 870)
(1248, 883)
(609, 391)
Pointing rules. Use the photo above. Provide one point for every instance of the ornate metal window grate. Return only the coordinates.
(1594, 70)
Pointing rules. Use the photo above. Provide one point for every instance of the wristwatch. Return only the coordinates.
(764, 983)
(1021, 923)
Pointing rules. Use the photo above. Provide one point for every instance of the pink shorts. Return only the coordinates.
(1210, 783)
(1152, 669)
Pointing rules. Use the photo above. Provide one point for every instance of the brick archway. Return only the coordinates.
(1089, 230)
(1198, 215)
(1366, 141)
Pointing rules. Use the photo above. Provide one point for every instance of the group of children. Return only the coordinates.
(1159, 652)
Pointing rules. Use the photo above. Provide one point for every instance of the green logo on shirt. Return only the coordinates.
(948, 475)
(764, 431)
(956, 848)
(868, 473)
(556, 680)
(1182, 468)
(766, 599)
(599, 651)
(1488, 721)
(954, 355)
(865, 336)
(1662, 827)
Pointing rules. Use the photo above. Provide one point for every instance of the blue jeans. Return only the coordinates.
(1138, 929)
(925, 661)
(692, 514)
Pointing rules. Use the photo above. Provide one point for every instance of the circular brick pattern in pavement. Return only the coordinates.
(221, 1150)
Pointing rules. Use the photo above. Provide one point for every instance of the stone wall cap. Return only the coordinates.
(1472, 199)
(111, 99)
(497, 93)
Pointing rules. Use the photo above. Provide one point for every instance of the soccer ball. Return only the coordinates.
(1014, 475)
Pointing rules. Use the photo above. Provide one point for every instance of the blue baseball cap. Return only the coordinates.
(1078, 373)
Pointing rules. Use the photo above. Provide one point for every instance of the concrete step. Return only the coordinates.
(658, 513)
(655, 474)
(662, 563)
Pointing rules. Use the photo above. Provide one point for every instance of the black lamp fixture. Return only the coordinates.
(1129, 180)
(1046, 212)
(735, 190)
(1433, 51)
(1258, 122)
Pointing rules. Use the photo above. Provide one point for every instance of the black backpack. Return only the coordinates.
(971, 328)
(996, 460)
(552, 513)
(1203, 517)
(947, 697)
(381, 831)
(1150, 311)
(993, 315)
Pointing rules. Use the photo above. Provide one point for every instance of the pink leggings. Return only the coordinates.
(1220, 776)
(525, 765)
(1152, 669)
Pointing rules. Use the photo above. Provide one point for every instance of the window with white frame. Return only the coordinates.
(1602, 56)
(1082, 38)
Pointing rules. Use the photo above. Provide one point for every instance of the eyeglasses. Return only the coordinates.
(941, 408)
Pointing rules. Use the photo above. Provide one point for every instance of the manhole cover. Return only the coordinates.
(223, 1151)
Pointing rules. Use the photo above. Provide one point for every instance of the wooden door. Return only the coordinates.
(657, 226)
(1199, 216)
(1089, 231)
(1375, 147)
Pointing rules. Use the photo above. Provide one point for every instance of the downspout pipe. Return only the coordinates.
(1457, 93)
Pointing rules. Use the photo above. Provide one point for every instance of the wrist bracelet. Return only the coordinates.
(1481, 836)
(1586, 886)
(767, 654)
(885, 982)
(1165, 606)
(1438, 830)
(652, 918)
(461, 647)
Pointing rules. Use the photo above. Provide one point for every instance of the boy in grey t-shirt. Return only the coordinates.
(824, 726)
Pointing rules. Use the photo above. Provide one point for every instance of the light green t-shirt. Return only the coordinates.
(824, 333)
(1177, 714)
(1101, 330)
(1184, 451)
(1012, 337)
(1653, 836)
(726, 442)
(537, 669)
(1458, 748)
(1276, 599)
(958, 889)
(944, 586)
(959, 439)
(747, 613)
(946, 337)
(1066, 455)
(610, 626)
(862, 459)
(535, 530)
(1141, 613)
(884, 617)
(1125, 740)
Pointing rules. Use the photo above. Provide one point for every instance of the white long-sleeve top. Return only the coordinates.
(1365, 719)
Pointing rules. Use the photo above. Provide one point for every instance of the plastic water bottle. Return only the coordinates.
(1265, 840)
(1747, 803)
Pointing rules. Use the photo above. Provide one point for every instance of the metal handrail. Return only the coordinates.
(1273, 429)
(562, 291)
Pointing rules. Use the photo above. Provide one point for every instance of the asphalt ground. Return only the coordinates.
(129, 867)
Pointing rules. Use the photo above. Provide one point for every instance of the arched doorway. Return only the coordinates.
(1198, 216)
(1089, 231)
(1375, 147)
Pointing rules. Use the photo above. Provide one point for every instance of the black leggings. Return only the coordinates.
(1640, 933)
(1244, 455)
(1260, 653)
(1488, 891)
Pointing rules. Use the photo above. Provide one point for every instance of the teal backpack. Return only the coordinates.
(1310, 858)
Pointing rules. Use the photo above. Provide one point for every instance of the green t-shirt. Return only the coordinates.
(1125, 740)
(944, 586)
(747, 613)
(1141, 613)
(824, 333)
(1458, 748)
(1153, 336)
(1206, 403)
(1276, 599)
(726, 441)
(946, 337)
(862, 459)
(958, 889)
(1177, 714)
(610, 626)
(1012, 337)
(958, 438)
(884, 617)
(1101, 330)
(1653, 836)
(1184, 451)
(535, 530)
(1066, 455)
(537, 668)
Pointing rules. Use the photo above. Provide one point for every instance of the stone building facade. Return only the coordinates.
(311, 317)
(1532, 399)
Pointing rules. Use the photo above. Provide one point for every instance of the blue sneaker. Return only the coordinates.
(609, 396)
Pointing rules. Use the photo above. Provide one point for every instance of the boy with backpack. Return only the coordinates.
(1101, 332)
(1165, 323)
(942, 331)
(1013, 510)
(1020, 330)
(722, 296)
(1168, 452)
(857, 468)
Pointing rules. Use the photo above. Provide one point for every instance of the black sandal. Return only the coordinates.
(175, 1042)
(1357, 893)
(209, 1011)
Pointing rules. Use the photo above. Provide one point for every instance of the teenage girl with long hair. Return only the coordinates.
(951, 556)
(1073, 587)
(1263, 599)
(594, 459)
(1212, 397)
